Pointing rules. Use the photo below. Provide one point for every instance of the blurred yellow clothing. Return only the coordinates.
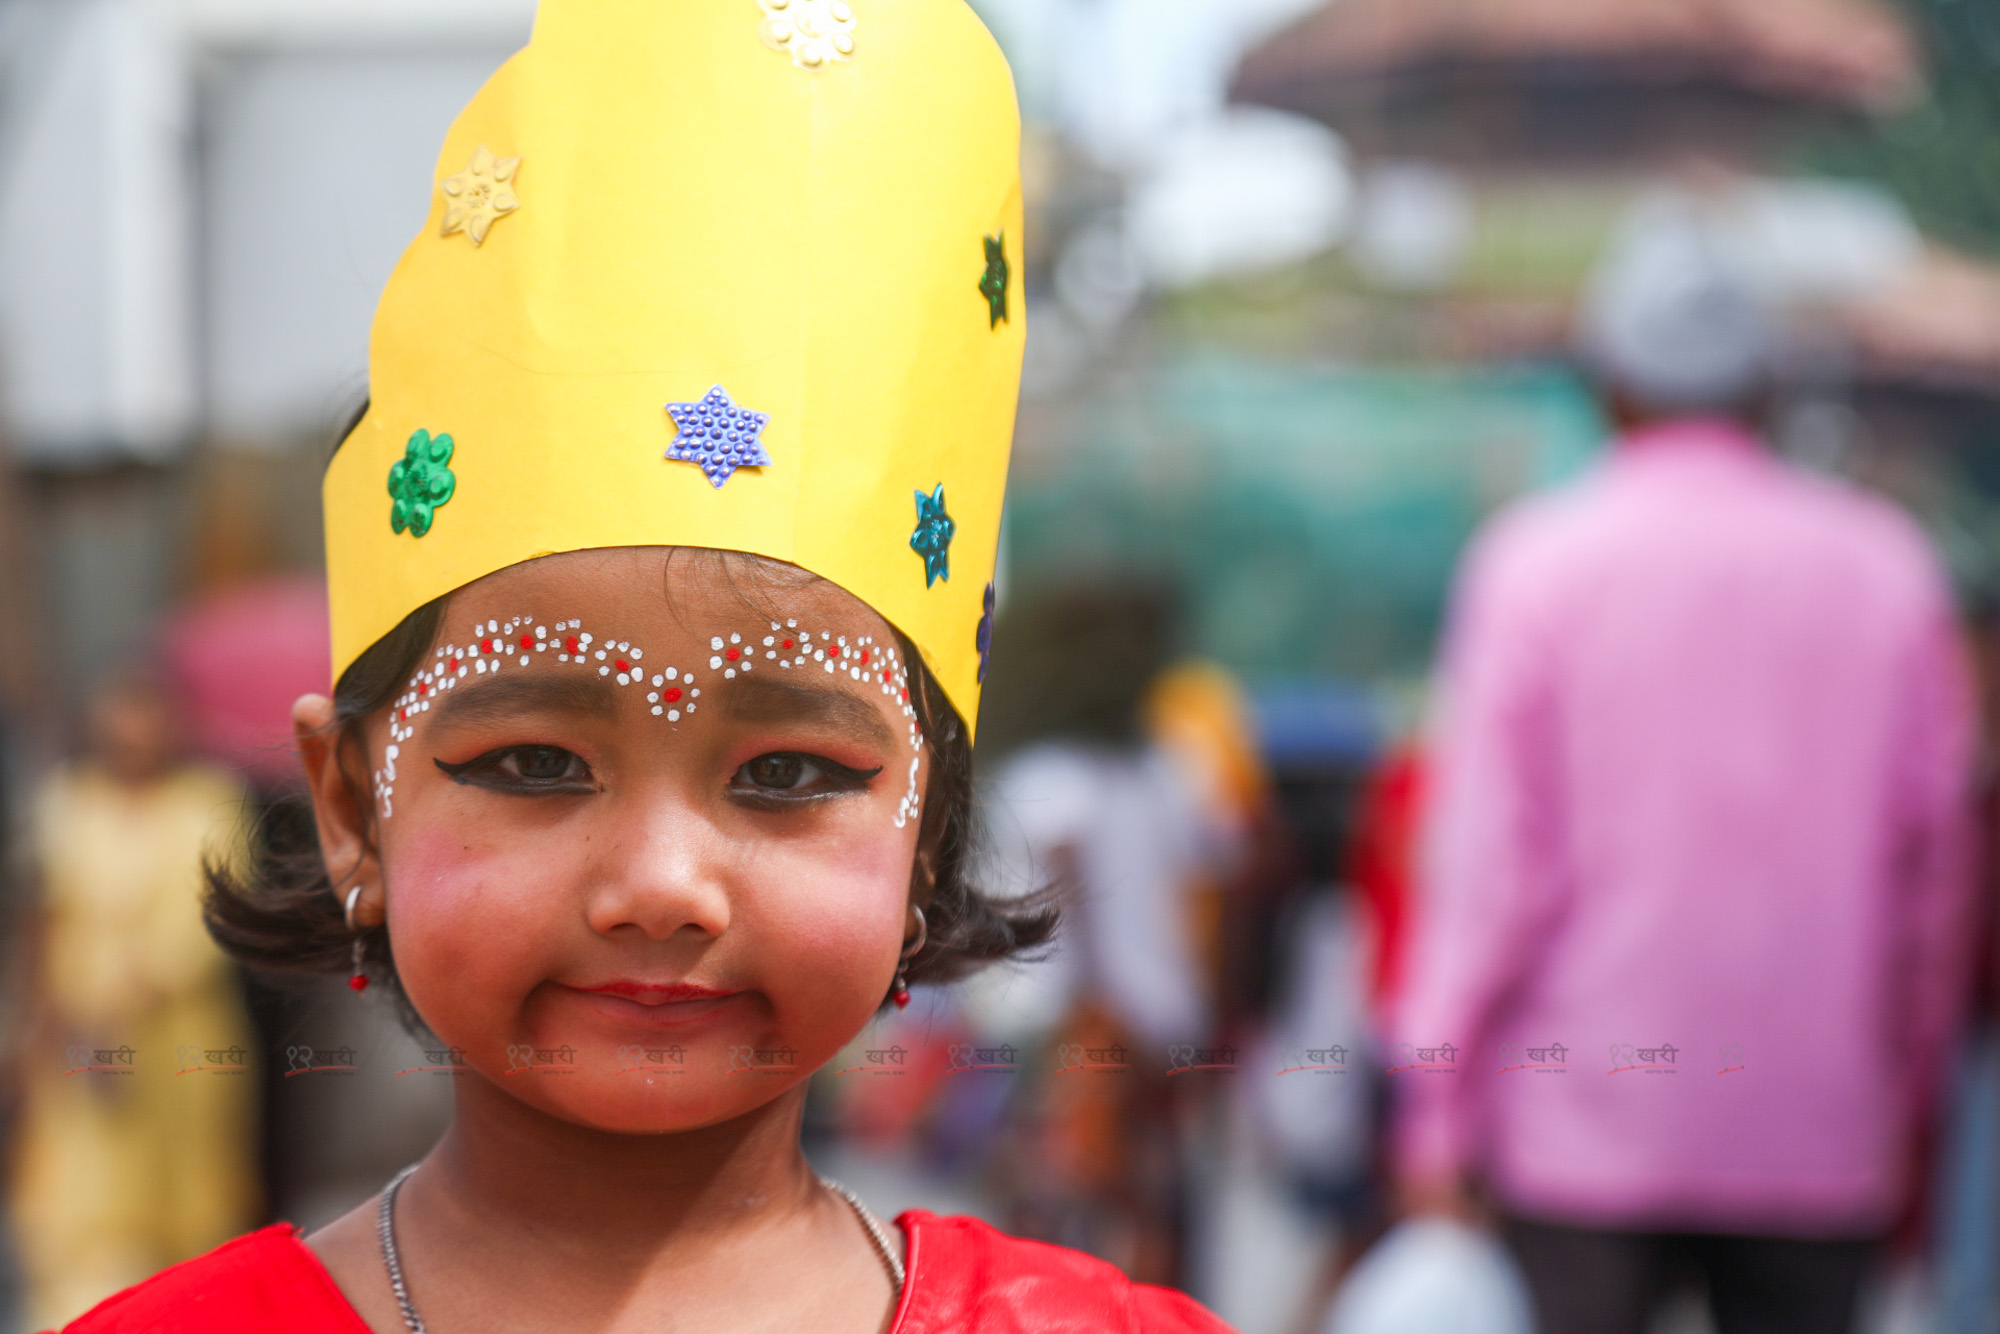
(137, 1142)
(1197, 713)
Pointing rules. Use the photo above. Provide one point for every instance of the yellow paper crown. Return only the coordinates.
(716, 273)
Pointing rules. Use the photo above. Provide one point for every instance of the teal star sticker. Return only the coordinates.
(420, 482)
(932, 540)
(993, 284)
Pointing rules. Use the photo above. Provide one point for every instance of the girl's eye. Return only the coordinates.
(539, 764)
(530, 769)
(787, 776)
(781, 772)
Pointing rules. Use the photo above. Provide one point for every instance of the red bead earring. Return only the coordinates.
(360, 979)
(901, 993)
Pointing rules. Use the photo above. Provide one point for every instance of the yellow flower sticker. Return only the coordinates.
(814, 33)
(480, 195)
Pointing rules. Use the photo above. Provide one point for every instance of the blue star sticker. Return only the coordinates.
(717, 436)
(983, 636)
(932, 540)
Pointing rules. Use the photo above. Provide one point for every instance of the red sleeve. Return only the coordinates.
(263, 1283)
(964, 1276)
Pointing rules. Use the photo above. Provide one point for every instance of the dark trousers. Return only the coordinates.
(1591, 1281)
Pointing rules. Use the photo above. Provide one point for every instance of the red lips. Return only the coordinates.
(654, 993)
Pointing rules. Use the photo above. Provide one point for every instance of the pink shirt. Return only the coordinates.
(1700, 784)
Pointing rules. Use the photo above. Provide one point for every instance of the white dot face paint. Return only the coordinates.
(672, 689)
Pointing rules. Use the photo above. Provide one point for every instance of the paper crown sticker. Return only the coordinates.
(731, 274)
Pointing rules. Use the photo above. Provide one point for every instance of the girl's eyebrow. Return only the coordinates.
(762, 700)
(497, 698)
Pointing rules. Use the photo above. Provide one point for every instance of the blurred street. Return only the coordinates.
(1489, 861)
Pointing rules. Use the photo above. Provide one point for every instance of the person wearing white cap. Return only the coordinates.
(1694, 865)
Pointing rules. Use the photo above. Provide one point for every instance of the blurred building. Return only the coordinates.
(1498, 83)
(199, 203)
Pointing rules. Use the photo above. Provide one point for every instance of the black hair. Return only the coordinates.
(285, 915)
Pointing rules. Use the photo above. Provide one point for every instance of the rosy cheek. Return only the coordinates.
(829, 921)
(458, 919)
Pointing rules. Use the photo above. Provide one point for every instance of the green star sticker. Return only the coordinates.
(420, 482)
(993, 285)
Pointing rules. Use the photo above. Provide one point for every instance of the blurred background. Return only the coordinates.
(1302, 281)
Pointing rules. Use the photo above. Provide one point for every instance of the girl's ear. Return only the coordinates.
(341, 808)
(930, 838)
(923, 876)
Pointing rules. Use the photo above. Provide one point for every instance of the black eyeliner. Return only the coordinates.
(846, 781)
(478, 772)
(858, 775)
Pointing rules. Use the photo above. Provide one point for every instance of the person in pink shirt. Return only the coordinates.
(1689, 949)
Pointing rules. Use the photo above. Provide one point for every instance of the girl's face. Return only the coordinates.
(646, 850)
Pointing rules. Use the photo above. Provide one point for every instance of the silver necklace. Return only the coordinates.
(385, 1228)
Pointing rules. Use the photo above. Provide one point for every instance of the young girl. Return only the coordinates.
(646, 780)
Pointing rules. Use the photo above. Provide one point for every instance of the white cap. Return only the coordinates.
(1672, 317)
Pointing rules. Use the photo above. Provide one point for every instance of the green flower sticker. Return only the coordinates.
(993, 283)
(420, 482)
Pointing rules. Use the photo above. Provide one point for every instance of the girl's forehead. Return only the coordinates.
(679, 597)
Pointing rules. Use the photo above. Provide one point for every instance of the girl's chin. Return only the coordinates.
(657, 1103)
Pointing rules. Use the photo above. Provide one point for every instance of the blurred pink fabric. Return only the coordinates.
(1701, 780)
(239, 659)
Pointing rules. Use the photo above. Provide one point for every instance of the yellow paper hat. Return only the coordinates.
(717, 273)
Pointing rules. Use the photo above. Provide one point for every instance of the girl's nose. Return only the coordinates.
(666, 873)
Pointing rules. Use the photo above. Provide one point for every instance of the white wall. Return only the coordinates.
(95, 283)
(334, 24)
(200, 201)
(318, 170)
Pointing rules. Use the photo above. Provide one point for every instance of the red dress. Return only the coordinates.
(963, 1278)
